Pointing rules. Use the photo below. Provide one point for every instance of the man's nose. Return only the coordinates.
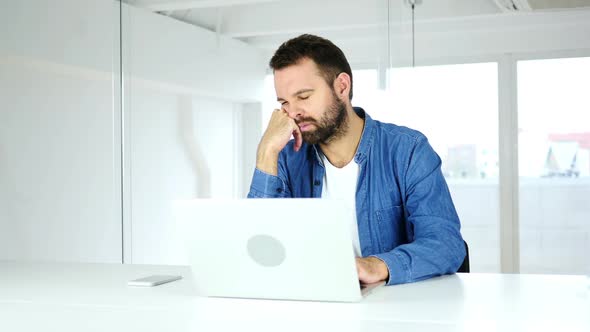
(293, 112)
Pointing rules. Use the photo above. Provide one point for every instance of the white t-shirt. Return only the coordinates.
(340, 183)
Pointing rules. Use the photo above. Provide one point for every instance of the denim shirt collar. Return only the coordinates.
(364, 144)
(366, 138)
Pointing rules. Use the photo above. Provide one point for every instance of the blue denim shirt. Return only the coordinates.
(404, 210)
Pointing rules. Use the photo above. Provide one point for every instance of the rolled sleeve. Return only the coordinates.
(265, 185)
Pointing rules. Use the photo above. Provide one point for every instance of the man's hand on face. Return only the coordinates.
(371, 269)
(277, 135)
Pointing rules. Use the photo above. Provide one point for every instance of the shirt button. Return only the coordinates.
(316, 182)
(279, 190)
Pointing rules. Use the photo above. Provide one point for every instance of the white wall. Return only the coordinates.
(181, 148)
(251, 133)
(59, 178)
(189, 101)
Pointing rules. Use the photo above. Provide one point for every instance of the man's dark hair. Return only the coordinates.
(328, 57)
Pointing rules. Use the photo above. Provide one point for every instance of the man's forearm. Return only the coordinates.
(267, 161)
(425, 257)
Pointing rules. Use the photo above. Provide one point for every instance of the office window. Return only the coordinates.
(456, 107)
(554, 165)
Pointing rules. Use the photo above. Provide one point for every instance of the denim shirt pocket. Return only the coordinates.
(390, 227)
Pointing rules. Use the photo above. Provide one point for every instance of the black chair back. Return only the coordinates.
(464, 268)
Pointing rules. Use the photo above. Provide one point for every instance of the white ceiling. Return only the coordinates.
(267, 23)
(254, 18)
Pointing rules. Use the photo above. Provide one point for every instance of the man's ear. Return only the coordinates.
(342, 85)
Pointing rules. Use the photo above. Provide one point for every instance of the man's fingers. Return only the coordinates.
(298, 138)
(371, 270)
(360, 268)
(296, 132)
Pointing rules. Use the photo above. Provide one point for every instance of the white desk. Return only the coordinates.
(95, 297)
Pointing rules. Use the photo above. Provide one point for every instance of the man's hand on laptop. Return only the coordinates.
(371, 269)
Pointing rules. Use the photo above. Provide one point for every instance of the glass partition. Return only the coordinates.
(60, 191)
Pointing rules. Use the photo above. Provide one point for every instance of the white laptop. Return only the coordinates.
(293, 249)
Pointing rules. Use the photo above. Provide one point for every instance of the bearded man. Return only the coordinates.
(405, 227)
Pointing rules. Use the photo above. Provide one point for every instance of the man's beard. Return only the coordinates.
(332, 125)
